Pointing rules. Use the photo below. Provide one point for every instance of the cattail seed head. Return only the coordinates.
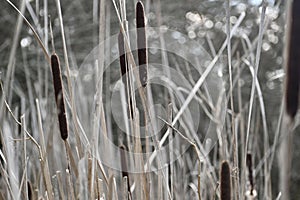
(293, 62)
(59, 96)
(122, 56)
(141, 43)
(249, 165)
(225, 181)
(29, 191)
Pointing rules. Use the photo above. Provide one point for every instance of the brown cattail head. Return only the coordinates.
(122, 55)
(29, 191)
(59, 96)
(141, 43)
(225, 181)
(293, 61)
(250, 176)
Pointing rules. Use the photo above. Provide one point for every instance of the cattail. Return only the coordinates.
(59, 96)
(124, 166)
(29, 191)
(293, 61)
(141, 43)
(123, 62)
(250, 176)
(225, 181)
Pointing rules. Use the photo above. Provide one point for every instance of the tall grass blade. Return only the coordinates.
(124, 167)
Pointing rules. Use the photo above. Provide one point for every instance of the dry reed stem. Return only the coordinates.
(4, 175)
(89, 174)
(141, 43)
(59, 96)
(233, 126)
(43, 158)
(293, 62)
(111, 189)
(24, 159)
(71, 159)
(100, 188)
(171, 152)
(60, 185)
(225, 181)
(124, 167)
(70, 187)
(125, 193)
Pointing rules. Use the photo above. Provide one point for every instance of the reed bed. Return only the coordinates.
(149, 113)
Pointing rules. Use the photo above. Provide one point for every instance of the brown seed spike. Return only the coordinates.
(141, 43)
(29, 191)
(249, 164)
(59, 96)
(122, 56)
(225, 181)
(293, 62)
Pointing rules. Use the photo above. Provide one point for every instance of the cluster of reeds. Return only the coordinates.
(79, 163)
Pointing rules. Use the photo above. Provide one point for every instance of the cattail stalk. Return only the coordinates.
(293, 61)
(59, 96)
(225, 181)
(143, 74)
(141, 43)
(60, 185)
